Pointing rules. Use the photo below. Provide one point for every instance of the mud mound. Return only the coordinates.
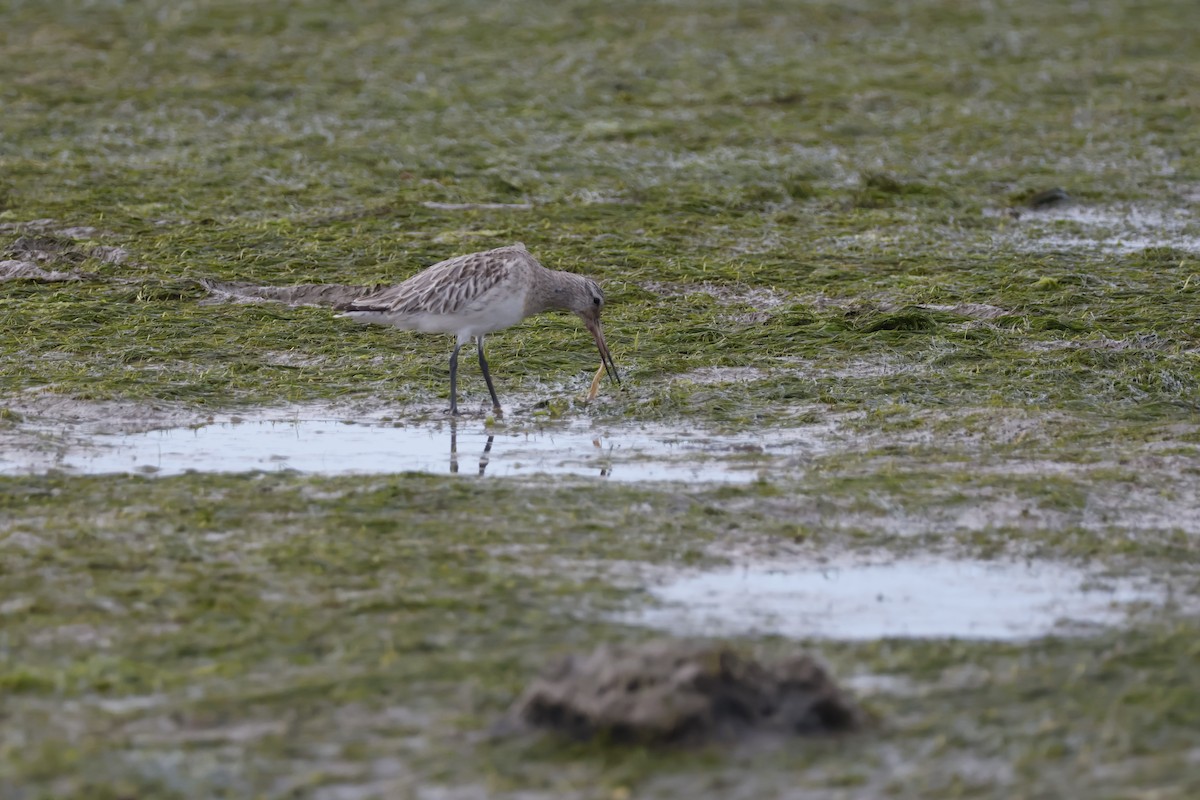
(671, 692)
(304, 294)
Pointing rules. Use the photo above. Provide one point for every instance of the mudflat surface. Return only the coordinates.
(904, 300)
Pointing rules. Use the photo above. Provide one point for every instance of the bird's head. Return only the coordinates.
(588, 302)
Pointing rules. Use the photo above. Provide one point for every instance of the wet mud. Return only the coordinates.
(304, 294)
(1112, 228)
(16, 270)
(35, 255)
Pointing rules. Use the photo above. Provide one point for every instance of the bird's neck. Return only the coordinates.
(553, 291)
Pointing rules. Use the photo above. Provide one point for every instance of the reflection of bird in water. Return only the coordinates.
(480, 293)
(484, 457)
(605, 471)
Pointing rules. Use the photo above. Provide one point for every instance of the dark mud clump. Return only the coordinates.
(670, 692)
(1049, 198)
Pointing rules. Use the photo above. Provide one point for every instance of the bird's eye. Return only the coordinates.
(596, 301)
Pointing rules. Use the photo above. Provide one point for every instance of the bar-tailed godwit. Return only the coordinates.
(481, 293)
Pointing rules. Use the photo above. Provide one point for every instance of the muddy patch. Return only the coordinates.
(477, 206)
(715, 376)
(50, 226)
(62, 247)
(910, 598)
(672, 692)
(859, 307)
(304, 294)
(981, 311)
(761, 299)
(16, 270)
(879, 366)
(1123, 228)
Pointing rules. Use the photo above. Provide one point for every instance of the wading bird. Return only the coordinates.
(481, 293)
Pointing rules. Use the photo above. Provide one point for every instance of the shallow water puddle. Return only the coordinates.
(918, 598)
(331, 447)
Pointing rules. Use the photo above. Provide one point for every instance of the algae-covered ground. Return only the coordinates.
(803, 213)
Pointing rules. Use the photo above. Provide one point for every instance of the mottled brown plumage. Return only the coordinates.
(451, 286)
(479, 293)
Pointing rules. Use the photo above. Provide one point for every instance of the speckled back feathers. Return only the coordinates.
(450, 286)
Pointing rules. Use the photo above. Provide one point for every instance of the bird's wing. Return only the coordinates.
(448, 286)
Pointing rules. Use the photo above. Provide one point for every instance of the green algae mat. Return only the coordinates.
(956, 240)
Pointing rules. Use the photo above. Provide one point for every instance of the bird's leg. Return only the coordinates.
(487, 376)
(483, 459)
(454, 379)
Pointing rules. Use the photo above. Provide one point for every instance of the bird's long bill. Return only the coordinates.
(594, 327)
